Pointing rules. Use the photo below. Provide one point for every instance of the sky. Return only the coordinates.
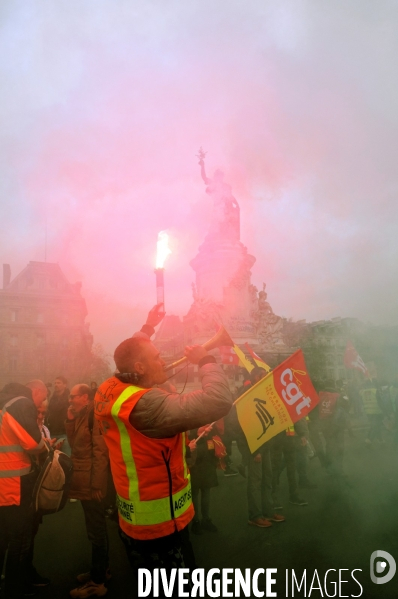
(105, 103)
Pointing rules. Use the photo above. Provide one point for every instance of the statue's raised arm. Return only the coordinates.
(201, 155)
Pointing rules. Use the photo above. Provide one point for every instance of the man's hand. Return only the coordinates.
(70, 414)
(57, 443)
(192, 445)
(97, 495)
(257, 458)
(155, 316)
(195, 353)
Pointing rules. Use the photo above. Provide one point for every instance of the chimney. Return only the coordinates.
(6, 275)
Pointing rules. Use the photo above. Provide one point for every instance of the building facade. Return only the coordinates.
(43, 333)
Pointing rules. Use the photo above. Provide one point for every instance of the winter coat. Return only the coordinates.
(56, 413)
(159, 414)
(89, 455)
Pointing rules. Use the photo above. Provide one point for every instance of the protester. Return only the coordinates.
(302, 440)
(33, 577)
(57, 410)
(41, 416)
(283, 454)
(89, 484)
(144, 428)
(20, 438)
(334, 433)
(93, 389)
(260, 501)
(203, 475)
(233, 432)
(373, 412)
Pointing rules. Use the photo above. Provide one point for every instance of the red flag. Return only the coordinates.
(353, 360)
(228, 356)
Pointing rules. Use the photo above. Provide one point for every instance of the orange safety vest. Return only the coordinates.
(151, 476)
(15, 462)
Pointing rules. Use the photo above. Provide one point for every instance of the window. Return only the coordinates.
(14, 340)
(41, 365)
(14, 315)
(40, 340)
(40, 318)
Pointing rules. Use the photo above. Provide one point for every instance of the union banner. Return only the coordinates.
(280, 399)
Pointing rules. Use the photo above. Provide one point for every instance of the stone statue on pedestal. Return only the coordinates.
(269, 325)
(226, 215)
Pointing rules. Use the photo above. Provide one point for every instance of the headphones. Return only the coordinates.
(128, 377)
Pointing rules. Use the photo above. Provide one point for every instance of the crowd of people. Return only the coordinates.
(139, 446)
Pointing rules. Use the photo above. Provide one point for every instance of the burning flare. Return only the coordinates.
(163, 249)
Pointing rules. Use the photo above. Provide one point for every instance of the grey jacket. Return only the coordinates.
(159, 414)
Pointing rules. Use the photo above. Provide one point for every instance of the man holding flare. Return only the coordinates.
(144, 428)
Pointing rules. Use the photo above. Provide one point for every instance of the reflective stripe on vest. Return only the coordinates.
(132, 509)
(9, 403)
(13, 473)
(7, 448)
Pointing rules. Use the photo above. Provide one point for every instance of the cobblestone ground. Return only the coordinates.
(343, 524)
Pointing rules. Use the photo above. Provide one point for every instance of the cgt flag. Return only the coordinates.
(353, 360)
(282, 397)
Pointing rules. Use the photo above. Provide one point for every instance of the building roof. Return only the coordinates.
(40, 278)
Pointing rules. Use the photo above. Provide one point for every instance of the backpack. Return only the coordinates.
(52, 485)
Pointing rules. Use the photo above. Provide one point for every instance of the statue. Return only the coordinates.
(226, 217)
(269, 325)
(263, 306)
(253, 293)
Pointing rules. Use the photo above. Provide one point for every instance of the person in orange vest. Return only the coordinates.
(20, 437)
(144, 428)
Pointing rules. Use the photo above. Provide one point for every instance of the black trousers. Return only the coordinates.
(172, 551)
(94, 515)
(202, 505)
(283, 446)
(16, 523)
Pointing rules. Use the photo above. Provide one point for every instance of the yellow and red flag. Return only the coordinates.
(236, 357)
(280, 399)
(259, 361)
